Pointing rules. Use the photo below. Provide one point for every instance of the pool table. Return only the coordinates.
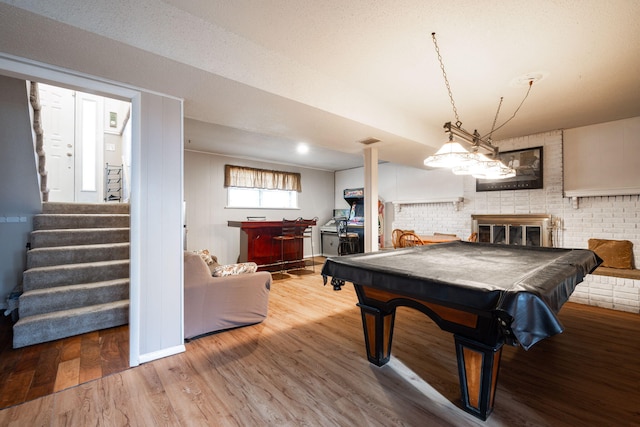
(485, 294)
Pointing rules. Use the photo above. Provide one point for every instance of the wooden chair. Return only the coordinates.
(409, 239)
(395, 236)
(473, 237)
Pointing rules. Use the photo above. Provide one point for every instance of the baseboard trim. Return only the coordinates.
(166, 352)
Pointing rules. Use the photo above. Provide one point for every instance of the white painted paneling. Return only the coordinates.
(206, 199)
(158, 205)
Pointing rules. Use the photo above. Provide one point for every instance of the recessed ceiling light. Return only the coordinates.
(525, 79)
(302, 148)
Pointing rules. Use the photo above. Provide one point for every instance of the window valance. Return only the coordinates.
(240, 176)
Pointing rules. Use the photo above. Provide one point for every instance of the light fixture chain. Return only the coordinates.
(446, 80)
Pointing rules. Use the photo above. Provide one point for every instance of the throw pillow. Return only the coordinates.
(614, 253)
(233, 269)
(210, 260)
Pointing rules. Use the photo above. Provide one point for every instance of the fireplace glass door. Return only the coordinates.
(534, 235)
(529, 230)
(515, 235)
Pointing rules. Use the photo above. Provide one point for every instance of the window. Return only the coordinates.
(261, 198)
(260, 188)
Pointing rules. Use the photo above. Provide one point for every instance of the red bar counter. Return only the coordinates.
(257, 244)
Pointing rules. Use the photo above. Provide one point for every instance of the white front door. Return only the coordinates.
(89, 148)
(58, 123)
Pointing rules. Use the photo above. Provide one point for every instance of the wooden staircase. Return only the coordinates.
(77, 277)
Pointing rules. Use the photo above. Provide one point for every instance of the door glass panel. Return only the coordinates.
(515, 235)
(499, 234)
(533, 236)
(89, 145)
(484, 233)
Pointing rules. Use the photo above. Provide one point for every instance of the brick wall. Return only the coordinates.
(615, 217)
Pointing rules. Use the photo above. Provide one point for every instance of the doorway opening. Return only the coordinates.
(85, 135)
(87, 144)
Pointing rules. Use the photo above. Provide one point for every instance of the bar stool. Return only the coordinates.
(288, 233)
(348, 243)
(305, 231)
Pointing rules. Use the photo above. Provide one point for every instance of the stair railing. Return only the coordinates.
(34, 99)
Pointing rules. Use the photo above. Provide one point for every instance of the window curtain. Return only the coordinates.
(239, 176)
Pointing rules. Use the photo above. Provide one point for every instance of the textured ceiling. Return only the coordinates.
(259, 76)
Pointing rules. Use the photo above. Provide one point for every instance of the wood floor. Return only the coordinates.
(38, 370)
(305, 365)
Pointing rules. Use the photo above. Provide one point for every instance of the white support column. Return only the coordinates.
(370, 199)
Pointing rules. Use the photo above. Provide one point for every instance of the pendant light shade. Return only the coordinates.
(495, 170)
(472, 168)
(449, 155)
(453, 155)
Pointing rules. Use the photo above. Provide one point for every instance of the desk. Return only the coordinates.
(486, 295)
(257, 245)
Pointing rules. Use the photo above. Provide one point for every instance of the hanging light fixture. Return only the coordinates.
(452, 154)
(469, 160)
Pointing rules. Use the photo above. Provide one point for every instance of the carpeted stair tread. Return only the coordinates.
(86, 236)
(62, 275)
(46, 300)
(77, 277)
(61, 324)
(88, 208)
(69, 221)
(60, 255)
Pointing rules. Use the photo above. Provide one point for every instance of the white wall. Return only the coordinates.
(19, 186)
(113, 135)
(206, 200)
(400, 183)
(603, 159)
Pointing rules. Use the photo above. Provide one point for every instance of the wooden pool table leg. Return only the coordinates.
(478, 366)
(378, 332)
